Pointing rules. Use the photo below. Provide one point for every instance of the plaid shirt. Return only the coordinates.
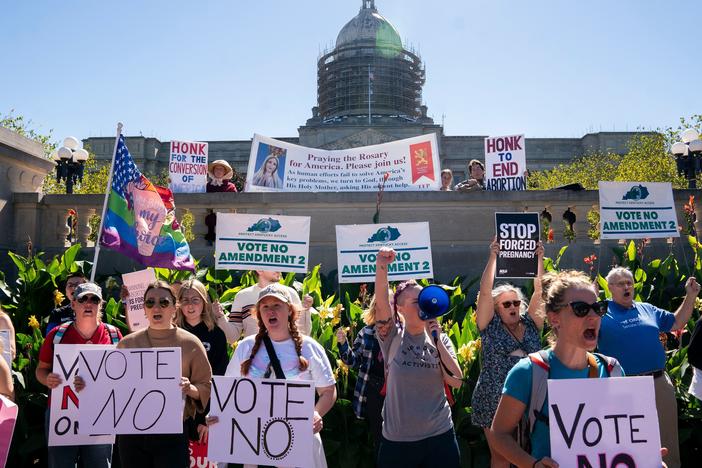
(360, 357)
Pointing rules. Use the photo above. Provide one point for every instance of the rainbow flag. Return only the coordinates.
(140, 218)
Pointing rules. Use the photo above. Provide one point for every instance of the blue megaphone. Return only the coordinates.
(433, 302)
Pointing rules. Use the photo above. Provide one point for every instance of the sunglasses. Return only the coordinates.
(164, 303)
(93, 299)
(506, 304)
(581, 309)
(383, 322)
(74, 284)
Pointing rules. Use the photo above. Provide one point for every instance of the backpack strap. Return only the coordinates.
(539, 388)
(614, 369)
(114, 335)
(275, 362)
(61, 331)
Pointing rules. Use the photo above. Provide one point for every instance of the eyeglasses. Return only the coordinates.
(164, 303)
(193, 301)
(383, 322)
(506, 304)
(581, 309)
(623, 283)
(89, 297)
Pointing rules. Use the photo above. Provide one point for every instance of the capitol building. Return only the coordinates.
(369, 91)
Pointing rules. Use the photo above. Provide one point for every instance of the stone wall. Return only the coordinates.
(462, 225)
(22, 169)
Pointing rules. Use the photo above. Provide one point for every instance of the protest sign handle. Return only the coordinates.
(104, 204)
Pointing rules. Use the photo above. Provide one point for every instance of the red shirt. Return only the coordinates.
(101, 336)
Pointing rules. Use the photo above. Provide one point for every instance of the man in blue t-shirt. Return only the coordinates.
(630, 332)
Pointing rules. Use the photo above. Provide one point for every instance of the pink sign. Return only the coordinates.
(8, 417)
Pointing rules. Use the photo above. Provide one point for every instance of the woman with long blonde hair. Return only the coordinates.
(300, 357)
(195, 314)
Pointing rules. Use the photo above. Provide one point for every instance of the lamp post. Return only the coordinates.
(688, 156)
(70, 160)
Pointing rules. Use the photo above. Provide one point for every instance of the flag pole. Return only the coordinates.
(108, 189)
(370, 90)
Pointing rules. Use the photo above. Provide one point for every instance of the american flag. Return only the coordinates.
(125, 170)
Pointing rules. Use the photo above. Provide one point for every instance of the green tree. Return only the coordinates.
(23, 127)
(648, 159)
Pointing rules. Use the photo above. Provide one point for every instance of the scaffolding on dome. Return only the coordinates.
(390, 77)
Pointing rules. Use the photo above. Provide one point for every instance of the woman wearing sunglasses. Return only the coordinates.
(417, 425)
(167, 450)
(297, 356)
(509, 331)
(574, 314)
(196, 314)
(367, 359)
(87, 328)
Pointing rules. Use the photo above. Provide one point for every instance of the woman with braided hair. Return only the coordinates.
(301, 358)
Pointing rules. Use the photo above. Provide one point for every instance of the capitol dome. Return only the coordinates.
(369, 72)
(369, 27)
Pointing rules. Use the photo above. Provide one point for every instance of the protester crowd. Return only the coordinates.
(406, 366)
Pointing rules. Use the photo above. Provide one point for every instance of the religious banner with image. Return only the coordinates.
(518, 237)
(604, 422)
(262, 242)
(505, 163)
(357, 247)
(637, 210)
(261, 421)
(411, 164)
(187, 167)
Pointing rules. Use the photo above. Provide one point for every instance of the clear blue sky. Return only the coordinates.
(221, 70)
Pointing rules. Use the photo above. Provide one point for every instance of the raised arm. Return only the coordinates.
(536, 303)
(232, 330)
(682, 315)
(486, 307)
(385, 257)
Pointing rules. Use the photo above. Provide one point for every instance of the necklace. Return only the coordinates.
(509, 330)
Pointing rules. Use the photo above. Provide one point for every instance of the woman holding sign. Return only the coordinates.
(166, 450)
(508, 332)
(195, 314)
(298, 357)
(86, 329)
(417, 425)
(574, 314)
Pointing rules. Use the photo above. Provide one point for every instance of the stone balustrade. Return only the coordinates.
(462, 224)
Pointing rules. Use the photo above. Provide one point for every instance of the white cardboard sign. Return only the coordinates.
(604, 422)
(261, 421)
(63, 418)
(131, 391)
(136, 284)
(505, 163)
(187, 166)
